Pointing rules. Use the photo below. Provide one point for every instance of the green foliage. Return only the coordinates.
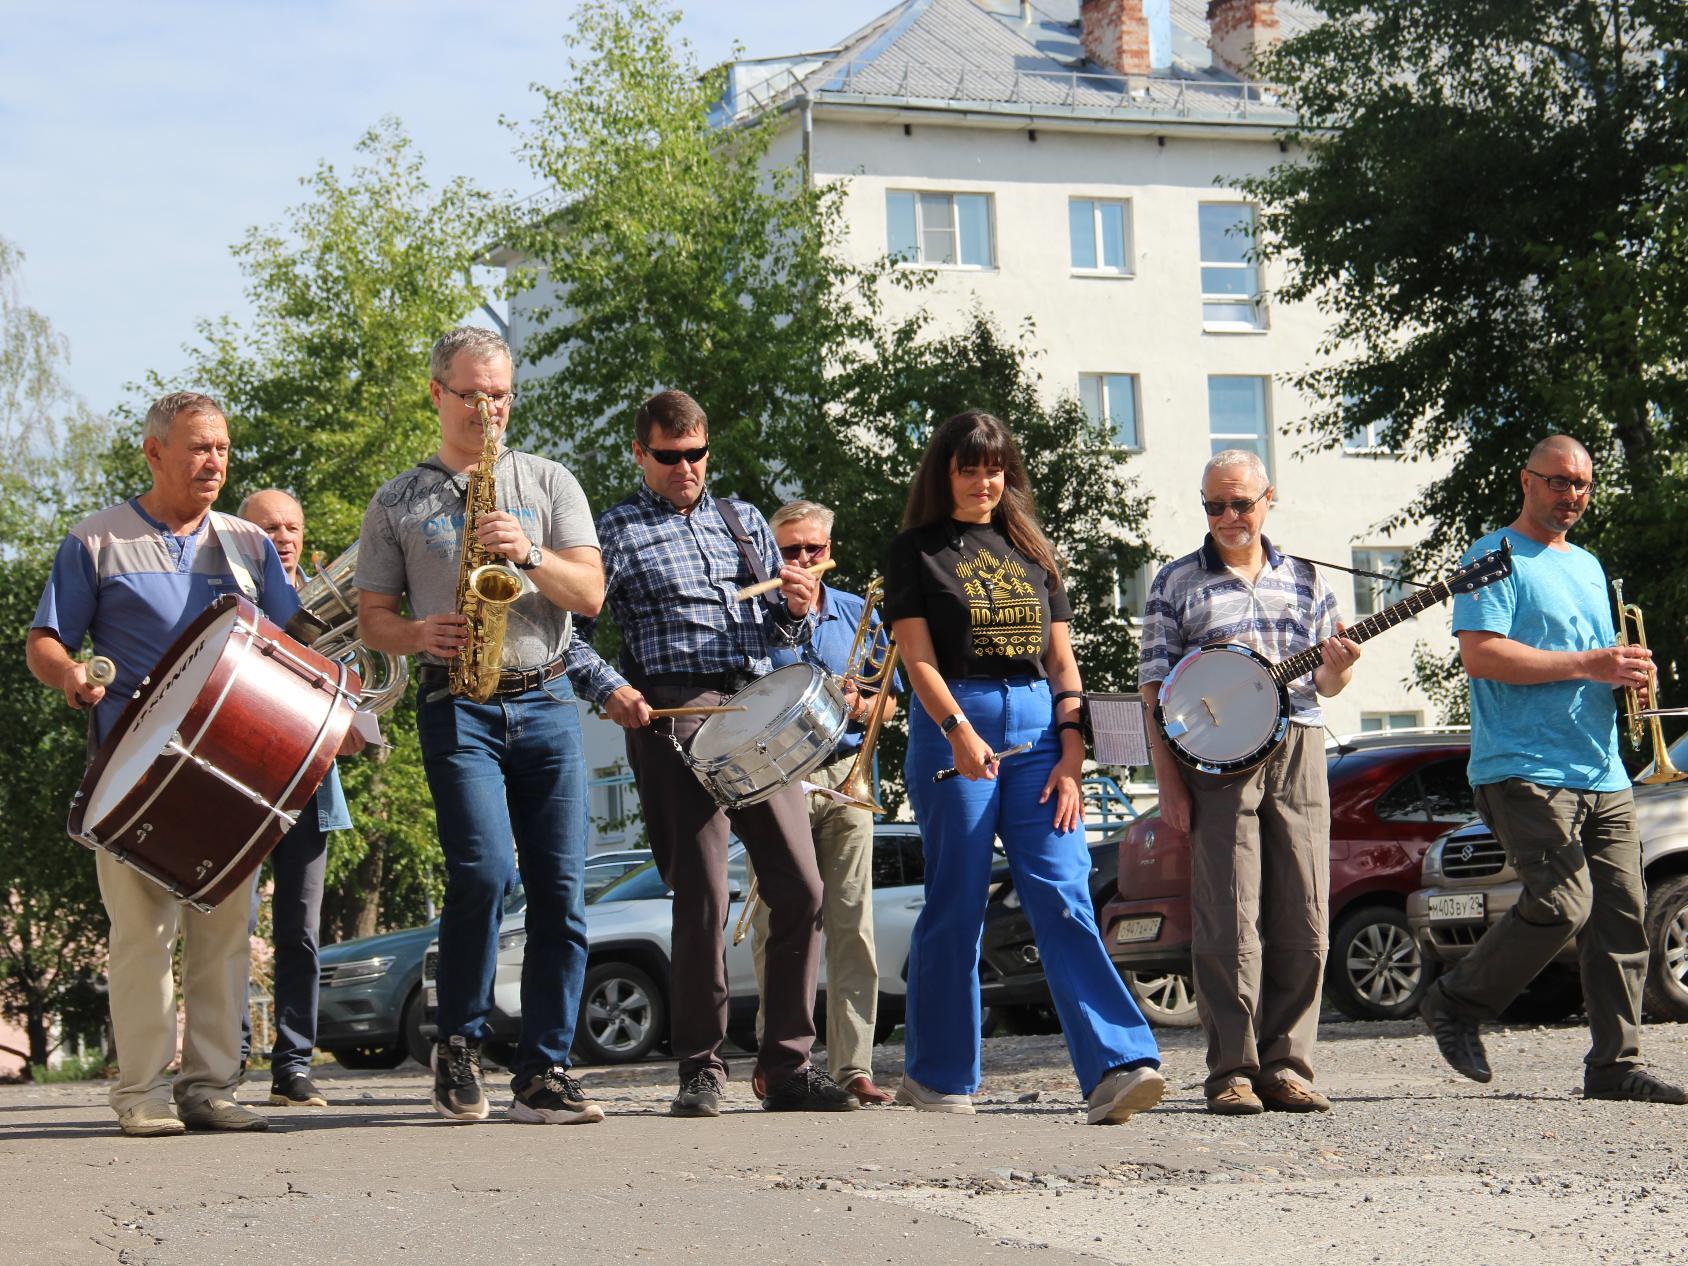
(89, 1068)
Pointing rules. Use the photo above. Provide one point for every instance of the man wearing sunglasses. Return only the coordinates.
(1260, 839)
(674, 557)
(1539, 650)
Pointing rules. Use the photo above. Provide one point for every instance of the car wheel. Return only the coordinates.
(418, 1047)
(1027, 1021)
(622, 1015)
(369, 1056)
(1168, 999)
(1667, 933)
(1376, 970)
(1556, 994)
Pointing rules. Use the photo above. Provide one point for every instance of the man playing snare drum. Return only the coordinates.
(674, 558)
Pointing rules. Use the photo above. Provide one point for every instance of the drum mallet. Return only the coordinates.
(699, 710)
(768, 586)
(101, 671)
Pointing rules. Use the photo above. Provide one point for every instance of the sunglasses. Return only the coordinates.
(674, 456)
(792, 553)
(1216, 509)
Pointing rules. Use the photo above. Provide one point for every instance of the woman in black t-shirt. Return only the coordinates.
(974, 599)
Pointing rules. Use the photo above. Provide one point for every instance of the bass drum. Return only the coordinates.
(221, 748)
(790, 726)
(1222, 710)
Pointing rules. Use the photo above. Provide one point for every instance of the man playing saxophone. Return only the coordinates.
(511, 766)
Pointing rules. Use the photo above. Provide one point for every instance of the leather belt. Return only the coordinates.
(729, 682)
(511, 681)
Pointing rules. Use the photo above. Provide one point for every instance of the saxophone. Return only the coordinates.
(486, 586)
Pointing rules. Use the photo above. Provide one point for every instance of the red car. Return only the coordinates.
(1391, 794)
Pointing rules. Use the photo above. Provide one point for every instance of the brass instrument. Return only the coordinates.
(1642, 726)
(327, 622)
(486, 586)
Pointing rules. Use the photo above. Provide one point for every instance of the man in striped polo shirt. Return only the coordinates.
(1260, 845)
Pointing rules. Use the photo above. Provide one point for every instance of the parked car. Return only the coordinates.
(603, 869)
(624, 1003)
(1391, 794)
(1468, 885)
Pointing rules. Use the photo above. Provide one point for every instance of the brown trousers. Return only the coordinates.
(689, 840)
(1259, 907)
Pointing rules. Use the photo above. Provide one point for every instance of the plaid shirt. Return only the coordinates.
(669, 580)
(1197, 600)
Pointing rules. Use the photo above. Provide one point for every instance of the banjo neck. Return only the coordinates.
(1299, 665)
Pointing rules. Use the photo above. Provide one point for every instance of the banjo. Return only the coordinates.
(1225, 708)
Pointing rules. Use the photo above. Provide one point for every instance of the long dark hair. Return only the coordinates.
(978, 439)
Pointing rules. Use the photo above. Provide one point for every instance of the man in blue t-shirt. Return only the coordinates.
(1539, 650)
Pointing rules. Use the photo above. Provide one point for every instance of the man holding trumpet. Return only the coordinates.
(676, 559)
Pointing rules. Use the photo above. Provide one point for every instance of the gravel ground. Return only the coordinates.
(1414, 1165)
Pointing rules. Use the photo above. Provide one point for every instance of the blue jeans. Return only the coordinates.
(510, 769)
(958, 820)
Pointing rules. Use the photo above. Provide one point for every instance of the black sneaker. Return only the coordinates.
(457, 1080)
(295, 1090)
(700, 1096)
(1637, 1086)
(554, 1098)
(1456, 1037)
(809, 1090)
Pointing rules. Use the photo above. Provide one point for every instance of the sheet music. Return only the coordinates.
(1117, 724)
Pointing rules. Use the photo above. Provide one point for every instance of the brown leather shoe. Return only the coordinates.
(1286, 1095)
(869, 1094)
(759, 1084)
(1235, 1101)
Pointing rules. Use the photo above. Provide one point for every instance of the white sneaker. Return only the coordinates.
(913, 1095)
(1121, 1094)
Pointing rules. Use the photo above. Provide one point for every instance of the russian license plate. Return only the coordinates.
(1128, 930)
(1466, 907)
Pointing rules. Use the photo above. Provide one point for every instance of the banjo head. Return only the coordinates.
(1221, 711)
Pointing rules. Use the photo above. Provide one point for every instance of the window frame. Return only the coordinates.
(1128, 262)
(919, 195)
(1101, 377)
(1265, 436)
(1256, 298)
(1372, 448)
(1370, 558)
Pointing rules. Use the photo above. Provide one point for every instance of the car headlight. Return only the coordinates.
(361, 972)
(1432, 863)
(511, 940)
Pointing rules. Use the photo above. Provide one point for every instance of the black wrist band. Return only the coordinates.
(1071, 725)
(1068, 694)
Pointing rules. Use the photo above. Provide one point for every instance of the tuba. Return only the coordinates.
(1632, 629)
(486, 586)
(327, 622)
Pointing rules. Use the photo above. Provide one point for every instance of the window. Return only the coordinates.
(1371, 596)
(1382, 722)
(1447, 791)
(952, 229)
(1112, 399)
(1230, 280)
(1236, 415)
(1101, 236)
(1368, 439)
(1131, 593)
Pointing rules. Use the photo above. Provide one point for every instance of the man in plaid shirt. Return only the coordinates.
(672, 565)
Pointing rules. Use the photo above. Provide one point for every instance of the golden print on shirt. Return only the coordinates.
(1006, 613)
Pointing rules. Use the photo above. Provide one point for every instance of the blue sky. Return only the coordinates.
(139, 140)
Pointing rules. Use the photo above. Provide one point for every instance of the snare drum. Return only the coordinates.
(221, 748)
(790, 726)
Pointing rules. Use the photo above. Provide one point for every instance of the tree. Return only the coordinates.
(1488, 199)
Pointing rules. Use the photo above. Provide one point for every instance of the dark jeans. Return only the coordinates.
(510, 769)
(299, 862)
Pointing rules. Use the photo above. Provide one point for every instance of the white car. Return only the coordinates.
(624, 1004)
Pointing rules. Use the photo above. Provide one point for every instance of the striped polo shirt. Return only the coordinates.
(1197, 600)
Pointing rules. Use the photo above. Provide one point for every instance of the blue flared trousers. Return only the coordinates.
(958, 820)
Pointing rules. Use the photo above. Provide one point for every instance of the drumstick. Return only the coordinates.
(101, 671)
(698, 711)
(944, 775)
(768, 586)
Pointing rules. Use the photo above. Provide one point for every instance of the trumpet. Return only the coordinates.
(1642, 724)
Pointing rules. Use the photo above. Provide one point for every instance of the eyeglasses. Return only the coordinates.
(794, 553)
(497, 399)
(1216, 509)
(674, 456)
(1562, 483)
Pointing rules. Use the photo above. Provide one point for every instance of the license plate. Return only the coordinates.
(1128, 930)
(1464, 908)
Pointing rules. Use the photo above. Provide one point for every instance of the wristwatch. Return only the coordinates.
(950, 722)
(534, 558)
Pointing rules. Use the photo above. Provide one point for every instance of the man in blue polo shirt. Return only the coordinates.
(131, 578)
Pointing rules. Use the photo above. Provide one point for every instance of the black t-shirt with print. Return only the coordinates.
(987, 605)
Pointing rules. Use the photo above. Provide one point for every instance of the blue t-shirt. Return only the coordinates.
(829, 648)
(1557, 733)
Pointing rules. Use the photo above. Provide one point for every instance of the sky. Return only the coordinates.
(140, 140)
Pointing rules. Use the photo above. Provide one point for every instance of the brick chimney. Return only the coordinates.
(1129, 37)
(1239, 31)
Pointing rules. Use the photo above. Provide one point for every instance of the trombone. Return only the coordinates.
(1640, 717)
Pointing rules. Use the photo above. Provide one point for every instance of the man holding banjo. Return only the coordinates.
(1259, 818)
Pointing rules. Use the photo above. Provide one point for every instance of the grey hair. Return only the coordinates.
(796, 511)
(166, 409)
(479, 343)
(264, 492)
(1227, 458)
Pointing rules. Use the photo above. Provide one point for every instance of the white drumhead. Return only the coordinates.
(1226, 704)
(166, 707)
(763, 701)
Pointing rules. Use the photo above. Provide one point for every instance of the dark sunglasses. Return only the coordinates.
(791, 553)
(1216, 509)
(674, 456)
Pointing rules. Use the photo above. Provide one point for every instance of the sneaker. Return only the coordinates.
(150, 1120)
(913, 1095)
(809, 1090)
(554, 1098)
(1123, 1093)
(1285, 1094)
(221, 1114)
(1235, 1101)
(1637, 1086)
(295, 1090)
(457, 1080)
(700, 1096)
(1456, 1037)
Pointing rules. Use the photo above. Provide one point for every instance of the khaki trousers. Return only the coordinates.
(1259, 906)
(216, 957)
(844, 855)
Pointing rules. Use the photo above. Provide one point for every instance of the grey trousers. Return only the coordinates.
(1578, 855)
(1259, 908)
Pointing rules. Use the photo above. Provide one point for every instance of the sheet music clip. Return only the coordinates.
(1118, 727)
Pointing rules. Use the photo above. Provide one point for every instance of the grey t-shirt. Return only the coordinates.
(413, 529)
